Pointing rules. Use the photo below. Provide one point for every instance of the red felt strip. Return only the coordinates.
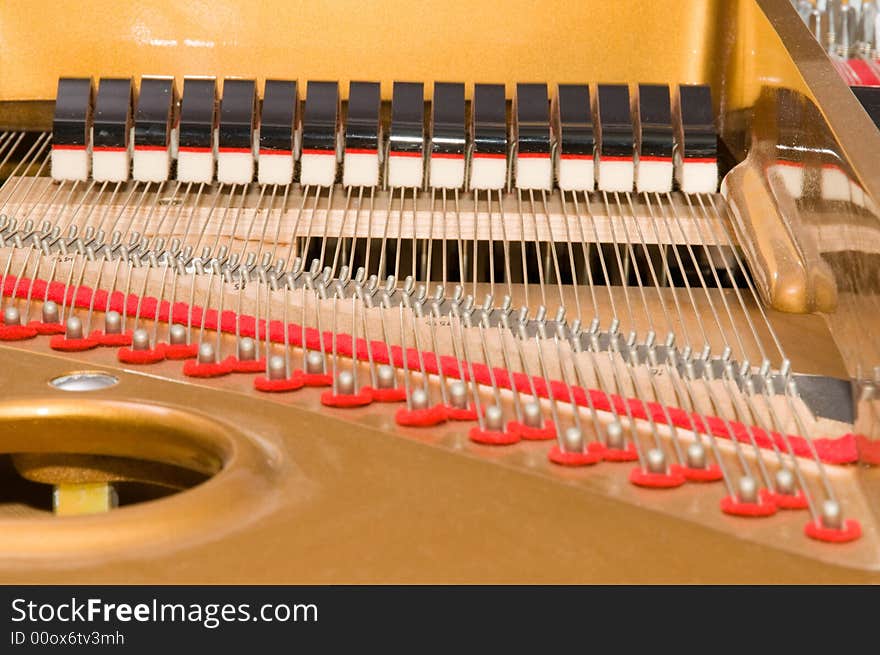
(343, 400)
(151, 356)
(529, 433)
(268, 152)
(649, 480)
(594, 455)
(492, 437)
(17, 332)
(850, 531)
(839, 450)
(863, 72)
(869, 449)
(763, 508)
(420, 418)
(262, 383)
(63, 146)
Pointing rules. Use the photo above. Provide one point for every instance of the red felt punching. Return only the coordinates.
(151, 356)
(492, 437)
(628, 454)
(420, 418)
(459, 414)
(709, 474)
(789, 501)
(850, 531)
(47, 328)
(395, 395)
(642, 478)
(119, 340)
(533, 434)
(181, 351)
(246, 365)
(317, 379)
(195, 369)
(62, 343)
(764, 507)
(593, 455)
(343, 400)
(262, 383)
(838, 450)
(16, 332)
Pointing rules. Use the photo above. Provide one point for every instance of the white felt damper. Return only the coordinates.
(576, 174)
(488, 172)
(195, 166)
(235, 167)
(698, 177)
(792, 177)
(404, 171)
(110, 165)
(318, 170)
(857, 194)
(654, 176)
(70, 165)
(447, 172)
(616, 175)
(835, 184)
(360, 169)
(275, 168)
(534, 173)
(151, 165)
